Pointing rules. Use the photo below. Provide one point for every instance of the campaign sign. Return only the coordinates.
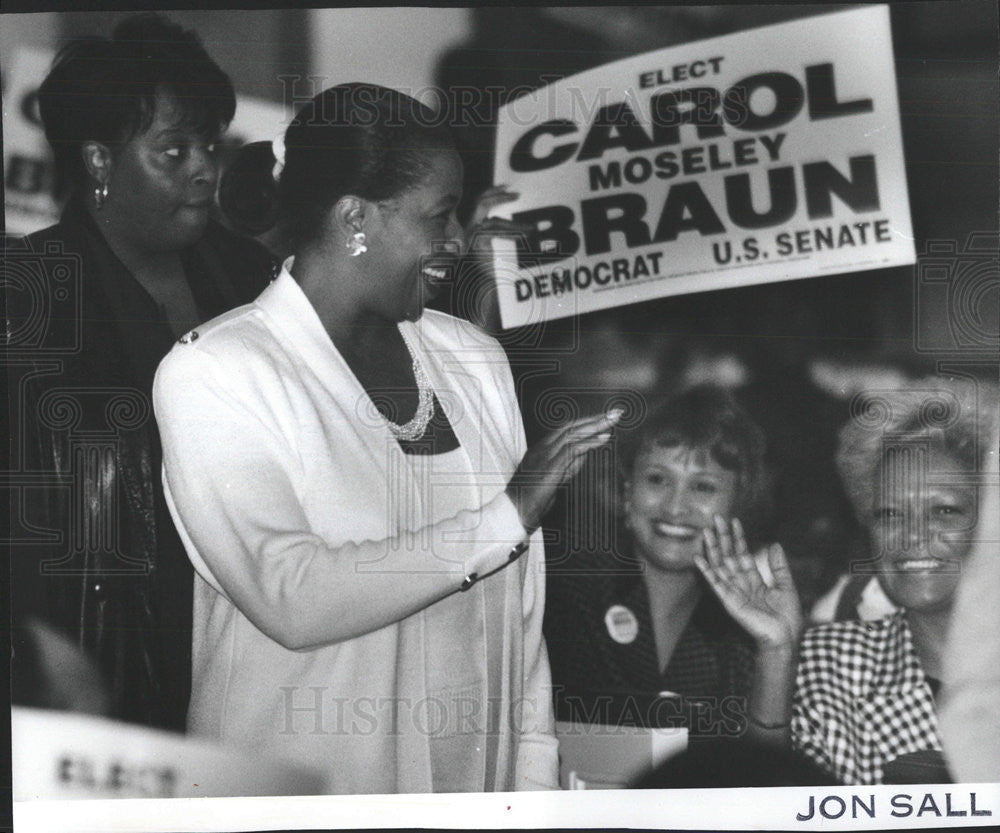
(29, 173)
(766, 155)
(58, 755)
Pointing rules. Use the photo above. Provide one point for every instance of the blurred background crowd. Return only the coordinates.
(797, 352)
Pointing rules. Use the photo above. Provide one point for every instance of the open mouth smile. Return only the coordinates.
(922, 565)
(439, 271)
(682, 531)
(435, 274)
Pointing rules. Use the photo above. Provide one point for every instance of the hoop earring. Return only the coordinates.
(100, 196)
(356, 245)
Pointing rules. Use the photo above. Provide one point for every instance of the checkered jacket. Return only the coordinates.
(861, 698)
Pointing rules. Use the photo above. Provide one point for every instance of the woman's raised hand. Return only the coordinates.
(485, 202)
(771, 614)
(479, 232)
(552, 461)
(481, 229)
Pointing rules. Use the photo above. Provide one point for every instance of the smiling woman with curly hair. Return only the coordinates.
(911, 460)
(658, 616)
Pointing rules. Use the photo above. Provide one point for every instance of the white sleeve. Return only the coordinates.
(537, 765)
(970, 694)
(231, 479)
(537, 750)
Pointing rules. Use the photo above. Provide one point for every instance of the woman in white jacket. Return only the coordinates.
(348, 474)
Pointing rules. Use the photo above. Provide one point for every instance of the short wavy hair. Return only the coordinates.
(710, 418)
(104, 89)
(956, 415)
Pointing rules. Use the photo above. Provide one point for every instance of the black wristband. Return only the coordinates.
(517, 551)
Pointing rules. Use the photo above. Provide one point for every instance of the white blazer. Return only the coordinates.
(289, 494)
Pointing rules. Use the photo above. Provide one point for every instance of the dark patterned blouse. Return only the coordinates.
(598, 628)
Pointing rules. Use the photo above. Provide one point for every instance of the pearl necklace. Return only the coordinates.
(415, 428)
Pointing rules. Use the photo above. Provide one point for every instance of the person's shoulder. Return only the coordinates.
(36, 240)
(589, 587)
(59, 238)
(227, 339)
(849, 641)
(233, 353)
(457, 334)
(854, 628)
(50, 268)
(68, 235)
(847, 630)
(590, 571)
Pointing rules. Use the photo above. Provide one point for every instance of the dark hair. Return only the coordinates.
(359, 139)
(709, 418)
(247, 190)
(104, 90)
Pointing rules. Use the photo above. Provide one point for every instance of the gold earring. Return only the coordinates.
(100, 196)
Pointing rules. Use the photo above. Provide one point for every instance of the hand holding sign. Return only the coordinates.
(480, 231)
(486, 202)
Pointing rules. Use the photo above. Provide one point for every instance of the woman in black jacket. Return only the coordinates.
(94, 303)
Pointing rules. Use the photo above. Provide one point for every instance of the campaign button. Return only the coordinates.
(622, 625)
